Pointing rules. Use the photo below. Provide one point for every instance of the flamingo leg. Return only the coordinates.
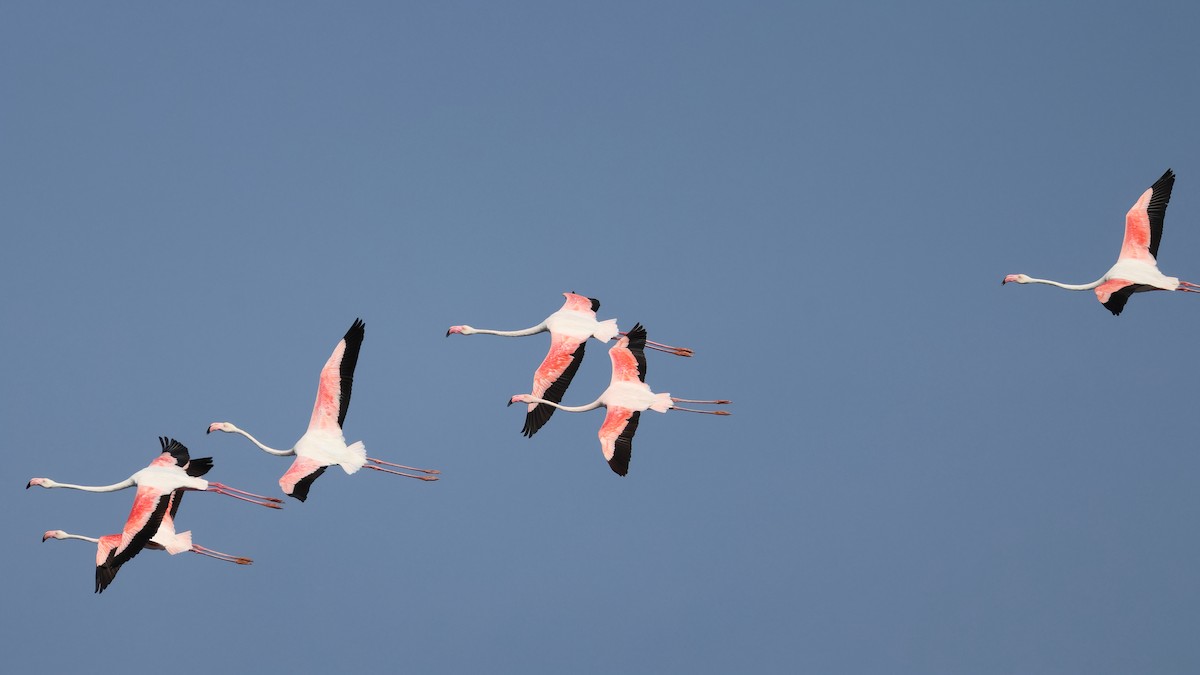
(248, 494)
(689, 400)
(1188, 290)
(1190, 284)
(399, 473)
(196, 548)
(401, 466)
(702, 412)
(220, 491)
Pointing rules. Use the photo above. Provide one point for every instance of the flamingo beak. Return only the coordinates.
(509, 402)
(45, 537)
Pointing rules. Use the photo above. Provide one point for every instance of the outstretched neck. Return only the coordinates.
(128, 482)
(569, 408)
(1069, 287)
(532, 330)
(68, 535)
(264, 448)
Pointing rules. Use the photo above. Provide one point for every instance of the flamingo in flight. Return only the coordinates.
(569, 328)
(625, 398)
(164, 539)
(159, 486)
(106, 572)
(172, 470)
(324, 445)
(1136, 270)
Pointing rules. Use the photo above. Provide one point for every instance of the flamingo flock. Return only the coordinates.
(160, 486)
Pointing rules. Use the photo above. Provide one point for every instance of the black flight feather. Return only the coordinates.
(1157, 209)
(354, 339)
(637, 345)
(535, 419)
(623, 448)
(301, 490)
(175, 448)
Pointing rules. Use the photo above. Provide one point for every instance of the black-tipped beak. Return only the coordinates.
(509, 402)
(447, 333)
(44, 538)
(29, 485)
(208, 431)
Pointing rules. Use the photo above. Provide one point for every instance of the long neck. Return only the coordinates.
(67, 535)
(1069, 287)
(128, 482)
(532, 330)
(569, 408)
(273, 451)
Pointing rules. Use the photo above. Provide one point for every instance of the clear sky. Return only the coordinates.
(925, 472)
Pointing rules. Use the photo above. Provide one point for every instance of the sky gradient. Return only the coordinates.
(924, 472)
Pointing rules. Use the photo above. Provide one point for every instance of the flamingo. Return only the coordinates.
(172, 470)
(105, 572)
(569, 328)
(625, 398)
(164, 539)
(1136, 270)
(324, 445)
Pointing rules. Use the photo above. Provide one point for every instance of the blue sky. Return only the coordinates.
(925, 472)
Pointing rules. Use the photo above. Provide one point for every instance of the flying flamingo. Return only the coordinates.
(569, 328)
(164, 539)
(626, 396)
(172, 470)
(105, 572)
(1137, 267)
(323, 444)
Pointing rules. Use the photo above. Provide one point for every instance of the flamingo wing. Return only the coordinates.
(1114, 293)
(299, 478)
(337, 379)
(1144, 221)
(628, 359)
(616, 438)
(149, 507)
(637, 347)
(551, 379)
(174, 453)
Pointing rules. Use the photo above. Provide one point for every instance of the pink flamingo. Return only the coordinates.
(324, 444)
(165, 538)
(569, 328)
(1136, 270)
(172, 470)
(626, 396)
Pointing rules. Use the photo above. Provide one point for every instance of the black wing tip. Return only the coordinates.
(176, 449)
(536, 419)
(638, 332)
(199, 466)
(595, 304)
(300, 491)
(357, 330)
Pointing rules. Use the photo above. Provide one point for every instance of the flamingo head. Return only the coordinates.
(40, 482)
(221, 426)
(1016, 278)
(54, 534)
(520, 398)
(460, 330)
